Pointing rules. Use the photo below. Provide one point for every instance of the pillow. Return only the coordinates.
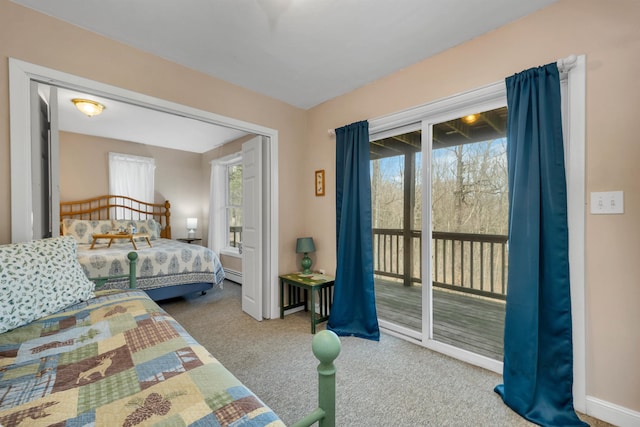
(39, 278)
(83, 229)
(147, 226)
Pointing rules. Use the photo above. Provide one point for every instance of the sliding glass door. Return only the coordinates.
(396, 191)
(469, 213)
(457, 167)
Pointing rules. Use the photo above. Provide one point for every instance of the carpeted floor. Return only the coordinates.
(387, 383)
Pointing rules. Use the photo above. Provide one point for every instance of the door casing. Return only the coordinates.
(22, 73)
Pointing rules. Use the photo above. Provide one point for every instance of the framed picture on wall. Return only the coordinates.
(320, 182)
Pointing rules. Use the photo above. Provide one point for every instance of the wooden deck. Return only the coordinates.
(466, 321)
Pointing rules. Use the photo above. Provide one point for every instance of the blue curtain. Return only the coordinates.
(353, 312)
(538, 354)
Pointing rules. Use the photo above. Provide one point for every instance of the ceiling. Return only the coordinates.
(478, 127)
(303, 52)
(128, 122)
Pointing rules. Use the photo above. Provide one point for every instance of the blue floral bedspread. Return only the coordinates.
(166, 263)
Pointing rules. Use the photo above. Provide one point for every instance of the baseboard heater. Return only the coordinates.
(234, 276)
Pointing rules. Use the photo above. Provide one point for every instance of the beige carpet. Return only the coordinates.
(387, 383)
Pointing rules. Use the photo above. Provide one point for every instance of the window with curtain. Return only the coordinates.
(131, 176)
(234, 205)
(225, 222)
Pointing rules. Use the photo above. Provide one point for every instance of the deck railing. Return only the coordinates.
(465, 262)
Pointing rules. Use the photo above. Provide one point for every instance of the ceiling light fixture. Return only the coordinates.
(88, 107)
(471, 118)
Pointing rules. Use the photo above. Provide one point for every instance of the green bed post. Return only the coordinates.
(326, 348)
(133, 260)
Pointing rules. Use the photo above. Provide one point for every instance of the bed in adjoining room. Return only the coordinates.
(166, 268)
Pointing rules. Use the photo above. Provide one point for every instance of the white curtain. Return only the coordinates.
(131, 176)
(218, 235)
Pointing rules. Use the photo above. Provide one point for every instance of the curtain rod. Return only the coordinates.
(564, 66)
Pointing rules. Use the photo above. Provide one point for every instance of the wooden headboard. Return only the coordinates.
(104, 207)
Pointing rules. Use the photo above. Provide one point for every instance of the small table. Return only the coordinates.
(298, 284)
(189, 240)
(127, 236)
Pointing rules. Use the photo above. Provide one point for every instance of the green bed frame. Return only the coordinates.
(133, 261)
(325, 346)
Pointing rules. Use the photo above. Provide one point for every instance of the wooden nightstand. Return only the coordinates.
(299, 286)
(189, 240)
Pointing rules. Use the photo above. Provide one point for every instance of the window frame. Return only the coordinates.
(235, 160)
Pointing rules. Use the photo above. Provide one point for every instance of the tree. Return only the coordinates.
(469, 188)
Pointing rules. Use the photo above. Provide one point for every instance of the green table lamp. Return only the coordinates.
(305, 245)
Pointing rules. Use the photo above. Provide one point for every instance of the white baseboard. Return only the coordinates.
(293, 310)
(611, 413)
(234, 276)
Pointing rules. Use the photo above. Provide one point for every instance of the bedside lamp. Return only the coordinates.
(192, 224)
(304, 245)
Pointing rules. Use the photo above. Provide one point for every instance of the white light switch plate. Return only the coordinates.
(607, 202)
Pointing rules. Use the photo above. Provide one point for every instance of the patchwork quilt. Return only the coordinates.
(166, 263)
(118, 360)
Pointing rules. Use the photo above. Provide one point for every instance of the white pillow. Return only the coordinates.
(147, 226)
(39, 278)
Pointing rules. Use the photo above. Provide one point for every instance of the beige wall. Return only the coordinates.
(609, 34)
(228, 149)
(39, 39)
(606, 31)
(84, 173)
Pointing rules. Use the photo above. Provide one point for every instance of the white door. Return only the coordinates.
(39, 165)
(54, 164)
(45, 178)
(252, 228)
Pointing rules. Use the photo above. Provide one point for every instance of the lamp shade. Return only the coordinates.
(305, 245)
(192, 223)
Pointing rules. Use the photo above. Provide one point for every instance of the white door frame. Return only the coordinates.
(21, 74)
